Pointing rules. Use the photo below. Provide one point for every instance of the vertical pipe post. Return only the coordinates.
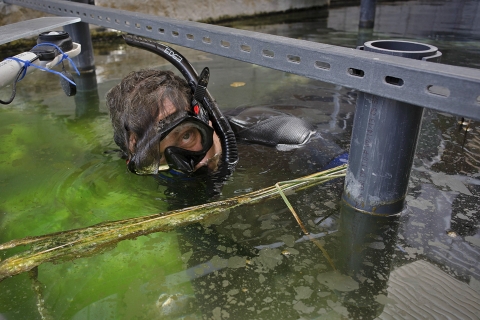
(80, 33)
(383, 140)
(86, 99)
(367, 14)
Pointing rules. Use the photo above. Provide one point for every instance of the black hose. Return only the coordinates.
(220, 123)
(223, 128)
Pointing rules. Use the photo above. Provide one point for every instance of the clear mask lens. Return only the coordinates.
(187, 135)
(185, 145)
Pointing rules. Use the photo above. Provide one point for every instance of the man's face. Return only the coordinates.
(187, 135)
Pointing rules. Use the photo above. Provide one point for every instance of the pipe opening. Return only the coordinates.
(207, 40)
(400, 46)
(175, 33)
(225, 44)
(161, 30)
(190, 36)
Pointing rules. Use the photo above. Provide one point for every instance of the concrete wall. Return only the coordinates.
(177, 9)
(208, 9)
(11, 14)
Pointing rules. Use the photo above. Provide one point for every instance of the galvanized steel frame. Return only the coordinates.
(432, 85)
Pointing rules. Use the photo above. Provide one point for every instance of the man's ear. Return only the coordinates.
(132, 142)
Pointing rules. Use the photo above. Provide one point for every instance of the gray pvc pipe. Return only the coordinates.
(383, 140)
(80, 33)
(367, 14)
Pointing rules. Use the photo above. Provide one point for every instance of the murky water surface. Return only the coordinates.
(59, 171)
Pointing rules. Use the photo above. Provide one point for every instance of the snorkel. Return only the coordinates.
(203, 106)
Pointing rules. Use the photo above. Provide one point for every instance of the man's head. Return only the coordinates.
(150, 112)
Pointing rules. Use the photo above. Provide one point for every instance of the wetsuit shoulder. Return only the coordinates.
(270, 127)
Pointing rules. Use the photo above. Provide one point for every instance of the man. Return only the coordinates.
(162, 122)
(153, 120)
(172, 128)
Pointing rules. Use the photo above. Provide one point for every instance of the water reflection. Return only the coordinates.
(259, 265)
(87, 100)
(442, 226)
(366, 247)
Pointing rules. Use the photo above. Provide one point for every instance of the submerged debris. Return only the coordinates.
(175, 305)
(73, 244)
(237, 84)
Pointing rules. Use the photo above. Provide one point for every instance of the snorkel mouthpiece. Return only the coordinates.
(183, 160)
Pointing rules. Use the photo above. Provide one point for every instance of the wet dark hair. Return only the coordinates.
(136, 104)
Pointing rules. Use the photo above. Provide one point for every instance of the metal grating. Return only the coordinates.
(441, 87)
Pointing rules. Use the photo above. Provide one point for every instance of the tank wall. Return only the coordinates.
(177, 9)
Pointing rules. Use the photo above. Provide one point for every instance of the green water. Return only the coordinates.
(60, 171)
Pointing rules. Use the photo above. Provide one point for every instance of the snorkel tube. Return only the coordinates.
(200, 93)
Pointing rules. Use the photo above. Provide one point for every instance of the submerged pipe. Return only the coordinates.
(366, 249)
(384, 139)
(367, 14)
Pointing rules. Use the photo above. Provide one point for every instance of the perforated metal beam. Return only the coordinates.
(441, 87)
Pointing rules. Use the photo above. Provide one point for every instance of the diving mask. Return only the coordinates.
(183, 141)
